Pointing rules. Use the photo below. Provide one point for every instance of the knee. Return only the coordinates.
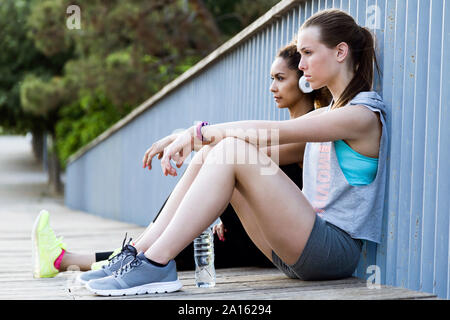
(230, 150)
(223, 145)
(217, 152)
(205, 150)
(229, 142)
(201, 155)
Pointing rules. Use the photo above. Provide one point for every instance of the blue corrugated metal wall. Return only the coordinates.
(414, 55)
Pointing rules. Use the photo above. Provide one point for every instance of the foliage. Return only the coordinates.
(45, 26)
(77, 83)
(83, 120)
(41, 97)
(18, 58)
(232, 16)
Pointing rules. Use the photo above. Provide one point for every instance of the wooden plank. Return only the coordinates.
(349, 292)
(233, 290)
(232, 284)
(229, 281)
(267, 290)
(339, 293)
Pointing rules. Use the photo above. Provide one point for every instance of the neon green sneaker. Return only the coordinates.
(46, 247)
(99, 264)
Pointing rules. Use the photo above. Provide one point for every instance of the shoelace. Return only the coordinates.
(126, 268)
(49, 236)
(59, 242)
(118, 256)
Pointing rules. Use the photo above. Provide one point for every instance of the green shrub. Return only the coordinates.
(84, 120)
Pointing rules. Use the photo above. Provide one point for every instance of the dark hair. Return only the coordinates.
(320, 97)
(337, 26)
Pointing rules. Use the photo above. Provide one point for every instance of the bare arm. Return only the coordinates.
(291, 152)
(356, 123)
(351, 122)
(287, 153)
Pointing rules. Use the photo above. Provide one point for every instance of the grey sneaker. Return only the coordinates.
(138, 277)
(127, 254)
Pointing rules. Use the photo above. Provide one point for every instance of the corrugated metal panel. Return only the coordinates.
(414, 55)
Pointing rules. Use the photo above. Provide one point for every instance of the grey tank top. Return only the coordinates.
(358, 210)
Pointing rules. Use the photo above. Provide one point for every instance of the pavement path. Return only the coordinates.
(22, 179)
(23, 193)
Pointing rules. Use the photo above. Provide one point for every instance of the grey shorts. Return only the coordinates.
(330, 253)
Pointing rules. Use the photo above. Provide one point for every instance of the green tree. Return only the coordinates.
(232, 16)
(74, 84)
(19, 58)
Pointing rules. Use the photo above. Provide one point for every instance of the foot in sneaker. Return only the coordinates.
(127, 254)
(99, 264)
(47, 250)
(138, 277)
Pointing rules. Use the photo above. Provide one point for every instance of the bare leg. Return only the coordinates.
(242, 208)
(143, 242)
(143, 233)
(148, 237)
(156, 228)
(152, 232)
(250, 223)
(145, 239)
(283, 214)
(82, 261)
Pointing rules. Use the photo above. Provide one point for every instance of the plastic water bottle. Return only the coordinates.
(205, 273)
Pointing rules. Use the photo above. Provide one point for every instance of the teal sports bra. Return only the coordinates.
(358, 169)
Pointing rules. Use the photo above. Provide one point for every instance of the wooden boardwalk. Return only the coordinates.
(84, 233)
(22, 196)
